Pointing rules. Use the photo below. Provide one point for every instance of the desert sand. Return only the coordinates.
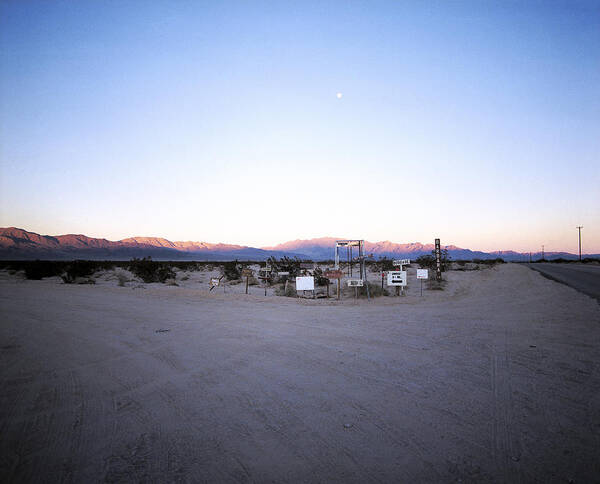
(494, 379)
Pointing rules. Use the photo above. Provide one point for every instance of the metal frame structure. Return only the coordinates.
(361, 258)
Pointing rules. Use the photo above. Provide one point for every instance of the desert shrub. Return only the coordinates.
(285, 264)
(171, 282)
(39, 269)
(232, 270)
(489, 262)
(426, 261)
(122, 278)
(78, 269)
(320, 279)
(151, 271)
(288, 291)
(375, 290)
(435, 285)
(383, 264)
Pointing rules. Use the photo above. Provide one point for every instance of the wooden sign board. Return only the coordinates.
(333, 274)
(401, 262)
(396, 278)
(438, 260)
(246, 272)
(422, 273)
(355, 282)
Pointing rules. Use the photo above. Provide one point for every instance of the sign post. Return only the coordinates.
(438, 261)
(246, 273)
(334, 274)
(422, 274)
(266, 270)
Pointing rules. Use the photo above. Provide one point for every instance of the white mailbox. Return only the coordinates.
(396, 278)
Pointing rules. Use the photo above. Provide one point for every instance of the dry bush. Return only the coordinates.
(123, 278)
(289, 291)
(151, 271)
(434, 285)
(374, 290)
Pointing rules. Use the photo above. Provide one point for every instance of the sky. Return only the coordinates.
(475, 122)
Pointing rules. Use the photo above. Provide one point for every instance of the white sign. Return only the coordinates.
(355, 282)
(283, 273)
(396, 278)
(214, 281)
(422, 274)
(306, 283)
(401, 262)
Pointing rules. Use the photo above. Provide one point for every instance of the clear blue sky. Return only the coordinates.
(477, 122)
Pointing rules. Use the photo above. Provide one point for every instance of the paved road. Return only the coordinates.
(583, 277)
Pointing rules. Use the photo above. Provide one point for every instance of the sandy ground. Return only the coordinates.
(494, 379)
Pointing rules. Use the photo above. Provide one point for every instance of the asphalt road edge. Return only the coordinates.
(552, 278)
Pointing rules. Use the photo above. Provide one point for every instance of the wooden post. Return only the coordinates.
(246, 284)
(327, 288)
(339, 283)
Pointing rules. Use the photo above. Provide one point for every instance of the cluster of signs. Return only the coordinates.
(307, 283)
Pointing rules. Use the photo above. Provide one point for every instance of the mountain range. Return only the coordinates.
(18, 244)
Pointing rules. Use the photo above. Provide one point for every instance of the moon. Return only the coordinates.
(339, 95)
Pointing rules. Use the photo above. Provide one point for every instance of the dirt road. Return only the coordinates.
(494, 380)
(583, 277)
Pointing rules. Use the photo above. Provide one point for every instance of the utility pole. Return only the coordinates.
(579, 227)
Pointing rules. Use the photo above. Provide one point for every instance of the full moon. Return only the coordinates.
(339, 95)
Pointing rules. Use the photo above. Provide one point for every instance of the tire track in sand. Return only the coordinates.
(505, 450)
